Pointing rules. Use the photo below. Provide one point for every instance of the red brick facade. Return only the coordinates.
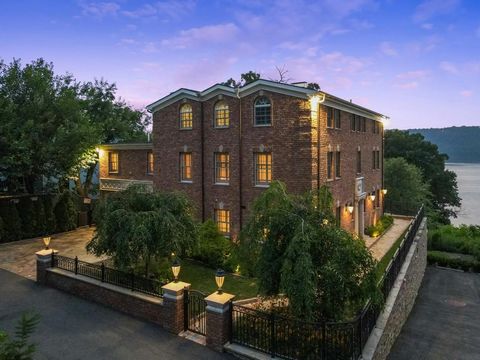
(298, 146)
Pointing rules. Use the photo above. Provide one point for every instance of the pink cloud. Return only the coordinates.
(387, 48)
(466, 93)
(431, 8)
(99, 9)
(201, 35)
(449, 67)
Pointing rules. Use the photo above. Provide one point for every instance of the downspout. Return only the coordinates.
(240, 158)
(320, 98)
(202, 141)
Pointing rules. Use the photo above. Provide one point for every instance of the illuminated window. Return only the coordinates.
(263, 112)
(222, 168)
(222, 218)
(186, 116)
(336, 116)
(113, 162)
(263, 168)
(222, 115)
(149, 163)
(330, 165)
(186, 166)
(338, 172)
(329, 117)
(359, 162)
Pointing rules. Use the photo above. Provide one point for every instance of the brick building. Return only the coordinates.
(121, 165)
(223, 146)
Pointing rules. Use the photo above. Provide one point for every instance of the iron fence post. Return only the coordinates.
(76, 265)
(103, 272)
(272, 335)
(230, 327)
(53, 260)
(324, 341)
(185, 309)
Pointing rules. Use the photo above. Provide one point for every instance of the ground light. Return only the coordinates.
(176, 270)
(219, 279)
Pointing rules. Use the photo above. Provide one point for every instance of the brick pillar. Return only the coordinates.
(173, 307)
(219, 319)
(44, 261)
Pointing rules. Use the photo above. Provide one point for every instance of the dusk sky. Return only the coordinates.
(415, 61)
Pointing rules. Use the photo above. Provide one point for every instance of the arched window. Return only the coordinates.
(186, 116)
(263, 112)
(222, 115)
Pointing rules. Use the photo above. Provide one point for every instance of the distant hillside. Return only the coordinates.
(461, 144)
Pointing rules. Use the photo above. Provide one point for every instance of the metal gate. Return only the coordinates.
(195, 318)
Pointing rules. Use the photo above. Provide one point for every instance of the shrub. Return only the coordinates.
(66, 212)
(379, 228)
(455, 262)
(213, 248)
(19, 346)
(11, 221)
(50, 221)
(40, 218)
(27, 217)
(464, 239)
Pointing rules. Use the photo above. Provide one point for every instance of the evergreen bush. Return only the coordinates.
(66, 212)
(11, 221)
(50, 221)
(213, 248)
(27, 217)
(40, 218)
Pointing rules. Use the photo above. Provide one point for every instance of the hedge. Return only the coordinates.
(463, 240)
(12, 223)
(454, 261)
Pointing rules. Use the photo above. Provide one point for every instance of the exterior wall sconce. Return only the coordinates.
(46, 241)
(384, 191)
(349, 208)
(176, 270)
(219, 279)
(372, 196)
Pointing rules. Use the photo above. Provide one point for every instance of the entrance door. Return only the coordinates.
(360, 218)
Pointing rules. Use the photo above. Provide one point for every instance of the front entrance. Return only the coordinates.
(195, 318)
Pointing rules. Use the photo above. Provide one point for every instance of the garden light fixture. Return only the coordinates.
(176, 270)
(384, 191)
(219, 279)
(372, 196)
(349, 208)
(46, 241)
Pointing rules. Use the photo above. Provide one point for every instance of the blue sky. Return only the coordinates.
(415, 61)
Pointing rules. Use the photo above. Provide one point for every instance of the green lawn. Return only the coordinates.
(203, 278)
(383, 263)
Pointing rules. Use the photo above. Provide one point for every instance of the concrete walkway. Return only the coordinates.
(72, 328)
(445, 322)
(380, 246)
(19, 256)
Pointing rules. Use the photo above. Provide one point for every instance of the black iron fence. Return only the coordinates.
(296, 339)
(108, 275)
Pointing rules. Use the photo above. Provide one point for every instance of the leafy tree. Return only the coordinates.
(40, 217)
(66, 212)
(213, 247)
(245, 78)
(323, 270)
(406, 189)
(425, 155)
(313, 86)
(19, 348)
(11, 221)
(50, 221)
(42, 125)
(135, 226)
(27, 217)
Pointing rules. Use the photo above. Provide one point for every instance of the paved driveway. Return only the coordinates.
(72, 328)
(19, 256)
(445, 321)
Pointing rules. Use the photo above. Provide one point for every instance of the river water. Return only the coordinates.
(468, 180)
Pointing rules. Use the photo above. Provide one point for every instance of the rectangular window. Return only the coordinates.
(263, 168)
(113, 162)
(338, 123)
(378, 159)
(374, 159)
(186, 166)
(330, 165)
(329, 117)
(359, 161)
(352, 122)
(358, 123)
(338, 162)
(222, 218)
(222, 168)
(149, 163)
(364, 124)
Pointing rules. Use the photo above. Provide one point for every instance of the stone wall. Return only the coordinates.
(400, 300)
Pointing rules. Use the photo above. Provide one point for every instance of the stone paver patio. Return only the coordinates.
(19, 256)
(380, 246)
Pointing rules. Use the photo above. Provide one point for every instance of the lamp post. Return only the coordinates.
(176, 270)
(46, 241)
(219, 279)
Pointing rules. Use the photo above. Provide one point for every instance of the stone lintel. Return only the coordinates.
(218, 303)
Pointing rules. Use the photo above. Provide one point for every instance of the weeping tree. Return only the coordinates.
(135, 226)
(324, 271)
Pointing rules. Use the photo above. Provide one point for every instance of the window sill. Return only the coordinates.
(113, 172)
(186, 181)
(264, 186)
(221, 184)
(338, 178)
(221, 127)
(260, 126)
(191, 128)
(330, 180)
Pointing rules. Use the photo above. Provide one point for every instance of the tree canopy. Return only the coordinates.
(425, 155)
(324, 271)
(135, 226)
(50, 123)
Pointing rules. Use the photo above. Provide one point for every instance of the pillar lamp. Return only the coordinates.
(372, 196)
(46, 241)
(384, 191)
(349, 208)
(176, 270)
(219, 279)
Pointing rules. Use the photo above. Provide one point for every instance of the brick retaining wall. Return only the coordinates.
(400, 300)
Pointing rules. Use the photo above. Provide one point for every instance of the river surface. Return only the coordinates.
(468, 180)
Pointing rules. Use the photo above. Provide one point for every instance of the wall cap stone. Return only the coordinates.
(218, 303)
(45, 255)
(174, 290)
